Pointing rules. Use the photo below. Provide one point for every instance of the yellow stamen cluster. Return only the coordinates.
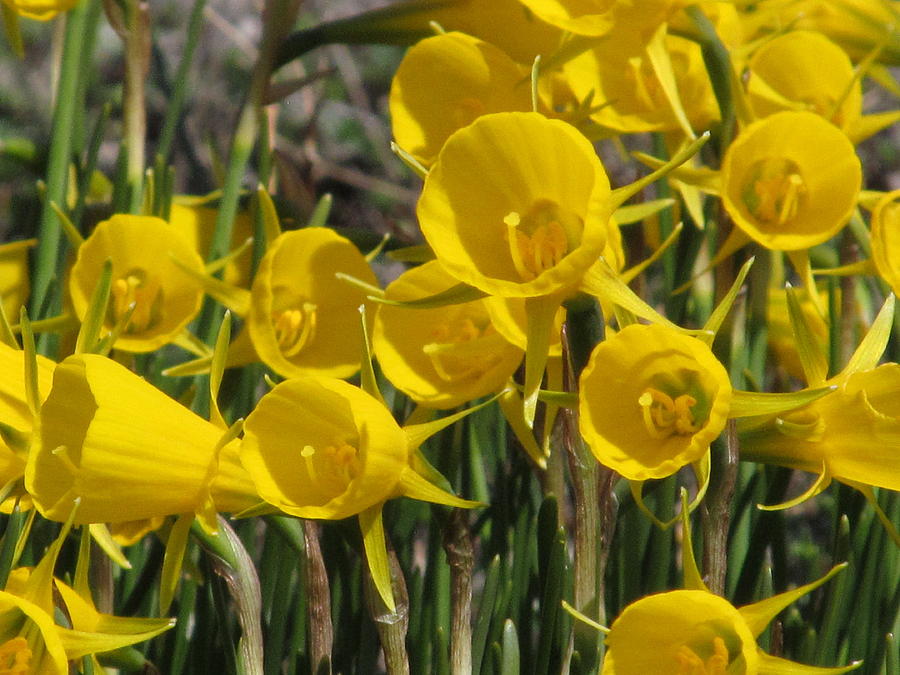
(774, 194)
(456, 352)
(333, 466)
(536, 251)
(142, 293)
(15, 657)
(664, 416)
(689, 663)
(295, 328)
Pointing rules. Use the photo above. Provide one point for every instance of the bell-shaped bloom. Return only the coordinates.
(42, 10)
(886, 238)
(146, 281)
(444, 83)
(791, 180)
(851, 435)
(599, 17)
(15, 283)
(517, 205)
(197, 221)
(620, 78)
(127, 451)
(804, 70)
(652, 400)
(696, 631)
(445, 356)
(16, 416)
(859, 26)
(321, 448)
(302, 319)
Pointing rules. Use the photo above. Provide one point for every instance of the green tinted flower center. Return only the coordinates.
(462, 347)
(295, 328)
(774, 191)
(141, 292)
(664, 416)
(689, 663)
(541, 238)
(15, 657)
(333, 467)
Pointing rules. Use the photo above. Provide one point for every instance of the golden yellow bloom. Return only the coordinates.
(651, 400)
(127, 450)
(42, 10)
(144, 275)
(445, 82)
(598, 17)
(620, 77)
(15, 282)
(302, 319)
(517, 205)
(790, 181)
(850, 435)
(886, 238)
(803, 70)
(15, 414)
(445, 356)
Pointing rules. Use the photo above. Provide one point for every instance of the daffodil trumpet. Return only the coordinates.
(692, 630)
(322, 448)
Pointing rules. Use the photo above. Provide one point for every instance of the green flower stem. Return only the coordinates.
(66, 109)
(391, 626)
(585, 329)
(136, 41)
(278, 17)
(175, 104)
(321, 632)
(231, 562)
(717, 510)
(461, 558)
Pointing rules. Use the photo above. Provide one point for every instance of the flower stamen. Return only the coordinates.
(459, 350)
(136, 289)
(689, 663)
(295, 328)
(15, 657)
(664, 416)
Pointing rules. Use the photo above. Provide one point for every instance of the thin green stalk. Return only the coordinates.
(321, 632)
(175, 103)
(717, 510)
(461, 558)
(66, 109)
(391, 626)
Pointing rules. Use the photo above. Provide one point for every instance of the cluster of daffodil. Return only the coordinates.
(538, 289)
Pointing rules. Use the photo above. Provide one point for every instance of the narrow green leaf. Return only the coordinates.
(485, 613)
(455, 295)
(509, 664)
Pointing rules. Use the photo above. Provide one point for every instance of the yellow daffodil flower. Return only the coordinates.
(128, 451)
(803, 70)
(16, 417)
(886, 238)
(791, 180)
(42, 10)
(599, 17)
(517, 205)
(146, 282)
(859, 26)
(302, 319)
(322, 448)
(440, 357)
(693, 631)
(850, 435)
(15, 283)
(445, 82)
(652, 400)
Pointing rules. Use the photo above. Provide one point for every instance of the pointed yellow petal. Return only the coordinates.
(774, 665)
(514, 412)
(372, 527)
(176, 545)
(752, 403)
(419, 433)
(105, 541)
(540, 312)
(813, 360)
(823, 480)
(692, 577)
(872, 346)
(661, 60)
(758, 615)
(718, 315)
(414, 486)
